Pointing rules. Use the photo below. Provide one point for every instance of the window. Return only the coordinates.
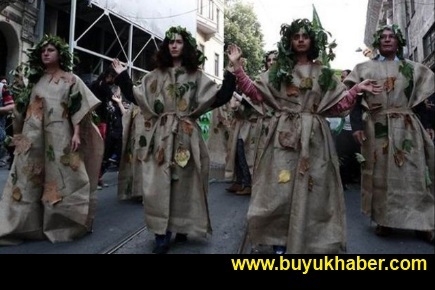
(429, 42)
(200, 7)
(211, 8)
(218, 18)
(415, 55)
(216, 64)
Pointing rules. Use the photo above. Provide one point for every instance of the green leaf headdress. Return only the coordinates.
(170, 34)
(33, 69)
(397, 32)
(281, 71)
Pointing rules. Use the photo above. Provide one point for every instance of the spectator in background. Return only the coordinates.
(245, 135)
(113, 144)
(395, 131)
(6, 129)
(102, 88)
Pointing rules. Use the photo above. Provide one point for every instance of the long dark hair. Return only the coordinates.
(192, 58)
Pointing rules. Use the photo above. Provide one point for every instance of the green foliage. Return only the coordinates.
(204, 123)
(242, 28)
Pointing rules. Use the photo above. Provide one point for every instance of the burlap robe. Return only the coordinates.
(130, 176)
(297, 199)
(219, 132)
(397, 176)
(174, 155)
(50, 192)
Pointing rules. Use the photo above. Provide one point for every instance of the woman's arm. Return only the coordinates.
(226, 91)
(123, 80)
(351, 96)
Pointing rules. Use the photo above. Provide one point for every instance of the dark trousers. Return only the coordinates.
(243, 175)
(346, 149)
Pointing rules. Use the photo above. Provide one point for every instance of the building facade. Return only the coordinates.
(416, 18)
(100, 30)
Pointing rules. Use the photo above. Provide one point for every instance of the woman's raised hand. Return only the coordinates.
(118, 66)
(235, 56)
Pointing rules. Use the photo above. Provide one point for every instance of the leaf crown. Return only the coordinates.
(187, 36)
(33, 68)
(397, 32)
(282, 69)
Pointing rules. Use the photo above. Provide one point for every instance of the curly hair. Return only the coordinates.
(281, 70)
(192, 57)
(266, 56)
(401, 41)
(33, 69)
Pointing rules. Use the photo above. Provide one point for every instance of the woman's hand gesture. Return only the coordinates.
(370, 86)
(118, 66)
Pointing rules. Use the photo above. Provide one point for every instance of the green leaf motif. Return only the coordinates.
(407, 145)
(407, 70)
(158, 106)
(326, 80)
(50, 153)
(74, 103)
(142, 141)
(381, 130)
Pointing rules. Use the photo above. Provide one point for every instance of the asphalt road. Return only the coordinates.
(119, 228)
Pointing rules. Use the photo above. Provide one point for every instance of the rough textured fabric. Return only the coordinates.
(174, 155)
(51, 192)
(297, 199)
(220, 130)
(131, 172)
(397, 176)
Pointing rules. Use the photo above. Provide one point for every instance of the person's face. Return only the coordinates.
(49, 55)
(4, 81)
(176, 46)
(388, 43)
(301, 41)
(270, 60)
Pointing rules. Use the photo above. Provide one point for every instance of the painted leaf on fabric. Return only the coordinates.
(153, 86)
(35, 108)
(306, 84)
(22, 143)
(187, 127)
(381, 130)
(50, 153)
(160, 156)
(158, 106)
(385, 147)
(407, 145)
(182, 156)
(284, 176)
(51, 194)
(304, 165)
(399, 157)
(142, 141)
(389, 84)
(182, 105)
(16, 194)
(292, 90)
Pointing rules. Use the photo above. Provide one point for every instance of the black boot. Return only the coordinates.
(162, 243)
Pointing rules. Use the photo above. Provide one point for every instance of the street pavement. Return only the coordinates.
(115, 221)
